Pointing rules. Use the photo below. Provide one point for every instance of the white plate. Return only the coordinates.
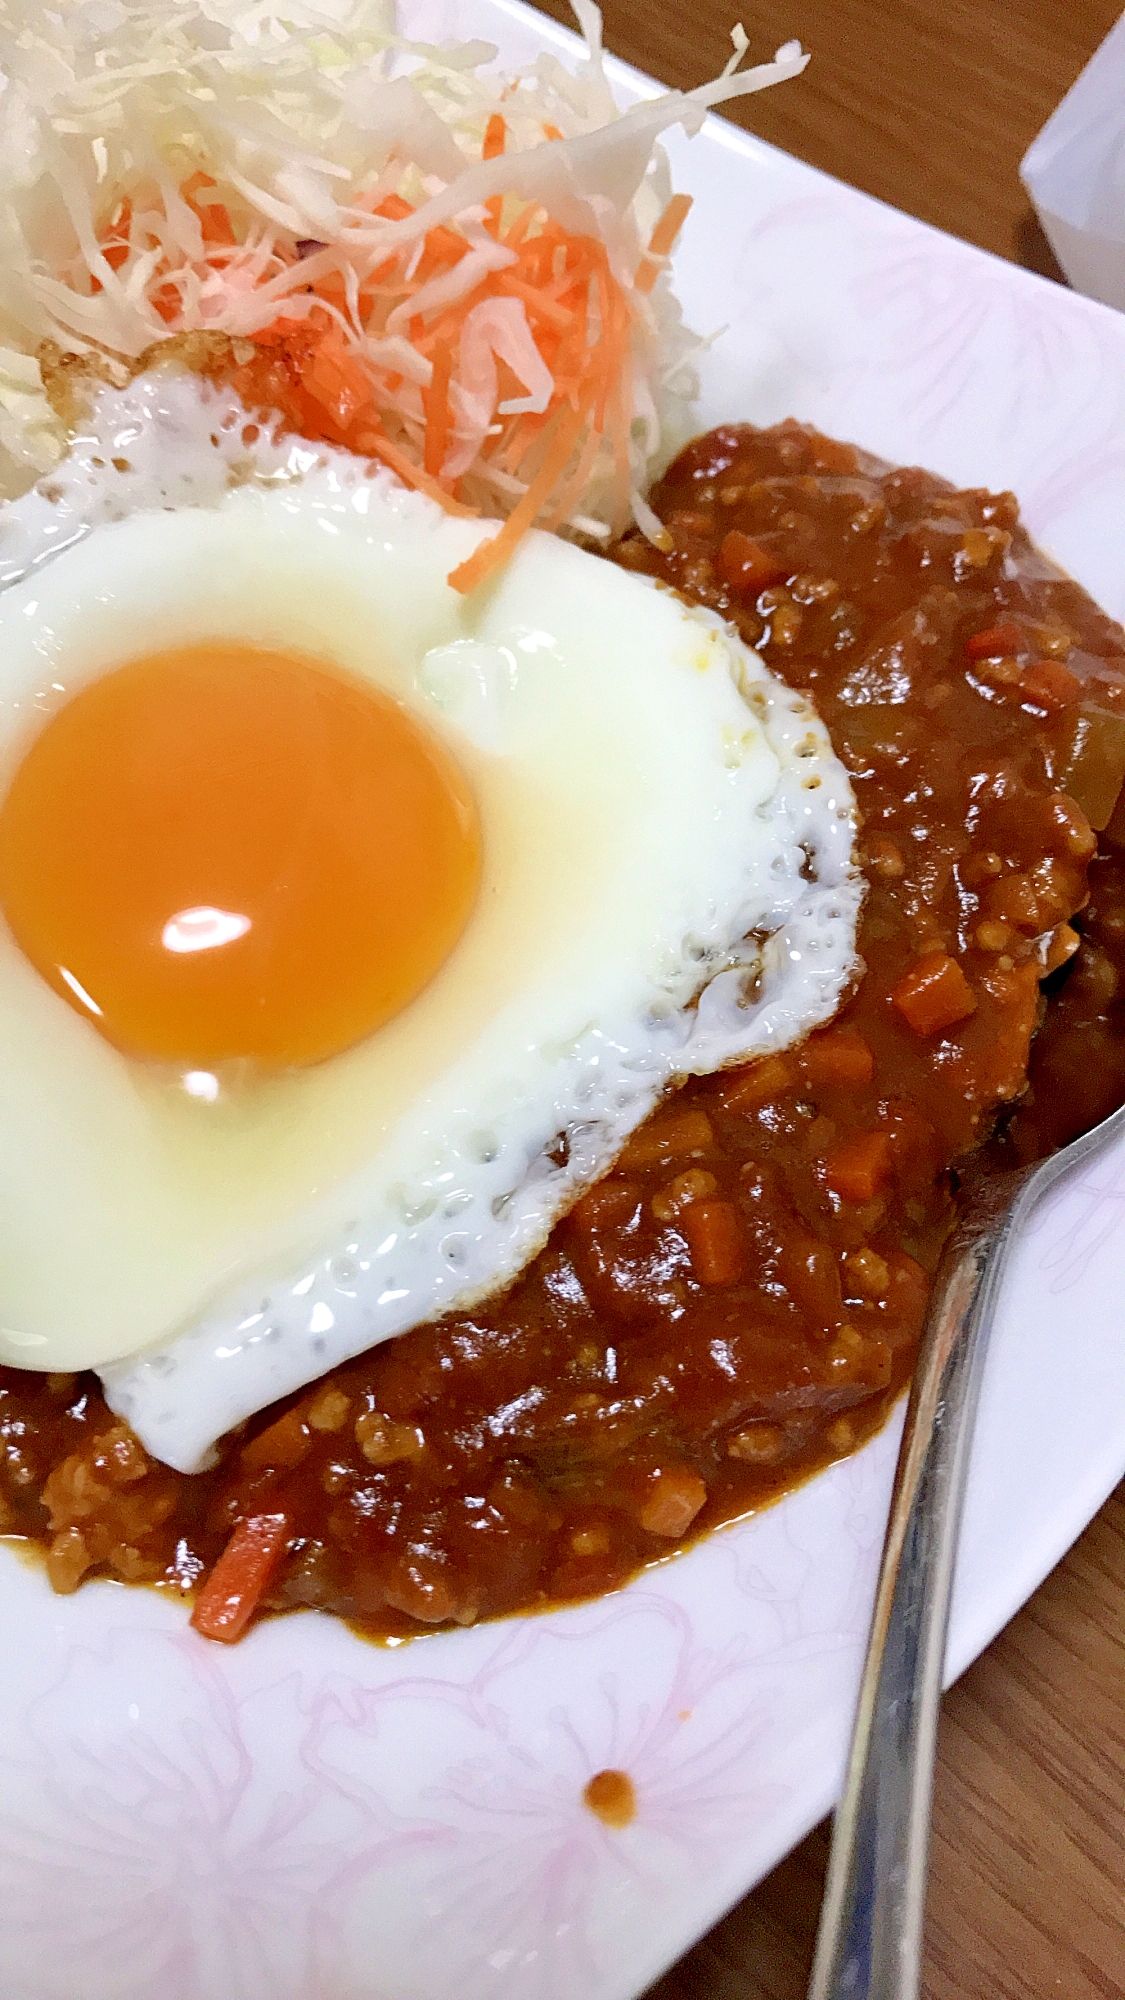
(306, 1817)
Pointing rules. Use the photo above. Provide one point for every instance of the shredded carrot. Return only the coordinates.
(524, 221)
(661, 241)
(311, 365)
(377, 445)
(212, 216)
(495, 137)
(241, 1577)
(669, 225)
(570, 492)
(438, 413)
(115, 246)
(491, 554)
(538, 301)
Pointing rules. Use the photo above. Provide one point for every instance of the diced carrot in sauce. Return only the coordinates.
(749, 1088)
(995, 643)
(673, 1135)
(835, 457)
(284, 1443)
(241, 1577)
(608, 1202)
(676, 1496)
(747, 566)
(715, 1241)
(838, 1059)
(859, 1168)
(934, 994)
(1049, 684)
(809, 1271)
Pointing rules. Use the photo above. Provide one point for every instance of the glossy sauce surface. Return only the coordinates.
(738, 1301)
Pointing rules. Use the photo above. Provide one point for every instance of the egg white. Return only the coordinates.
(649, 797)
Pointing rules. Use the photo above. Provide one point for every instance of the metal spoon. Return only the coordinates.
(869, 1946)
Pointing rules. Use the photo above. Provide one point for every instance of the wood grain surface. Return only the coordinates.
(930, 104)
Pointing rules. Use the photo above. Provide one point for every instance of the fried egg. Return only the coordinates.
(351, 925)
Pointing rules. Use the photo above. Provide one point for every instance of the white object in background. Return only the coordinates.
(1075, 174)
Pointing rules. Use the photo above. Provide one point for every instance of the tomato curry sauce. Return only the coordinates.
(738, 1302)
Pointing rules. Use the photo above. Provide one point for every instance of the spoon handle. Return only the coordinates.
(870, 1939)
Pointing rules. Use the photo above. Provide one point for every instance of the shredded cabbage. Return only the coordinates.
(169, 166)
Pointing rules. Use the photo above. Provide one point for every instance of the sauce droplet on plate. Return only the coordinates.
(611, 1798)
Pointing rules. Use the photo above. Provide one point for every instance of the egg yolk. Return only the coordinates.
(219, 852)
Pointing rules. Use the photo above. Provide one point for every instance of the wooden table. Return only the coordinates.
(930, 105)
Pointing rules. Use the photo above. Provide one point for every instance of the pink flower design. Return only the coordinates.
(530, 1882)
(1091, 1209)
(150, 1847)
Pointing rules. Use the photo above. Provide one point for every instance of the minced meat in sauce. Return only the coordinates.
(739, 1301)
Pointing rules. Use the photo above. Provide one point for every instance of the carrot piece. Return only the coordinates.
(673, 1501)
(934, 994)
(747, 566)
(1049, 684)
(572, 489)
(838, 1059)
(285, 1442)
(213, 217)
(435, 402)
(551, 132)
(996, 643)
(495, 139)
(322, 387)
(394, 208)
(608, 1204)
(337, 380)
(834, 457)
(521, 223)
(536, 300)
(660, 242)
(490, 555)
(523, 435)
(714, 1239)
(811, 1276)
(377, 445)
(858, 1169)
(669, 225)
(240, 1578)
(748, 1089)
(670, 1135)
(115, 242)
